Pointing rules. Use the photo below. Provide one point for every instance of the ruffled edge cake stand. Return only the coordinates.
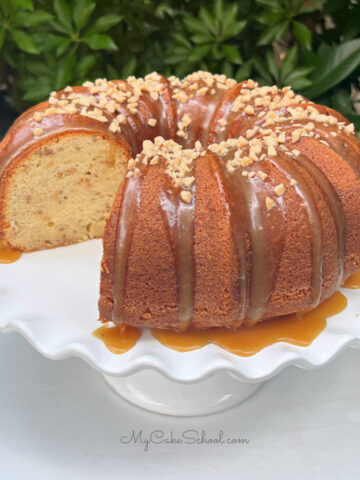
(50, 297)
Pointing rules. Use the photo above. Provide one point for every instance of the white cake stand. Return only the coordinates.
(50, 297)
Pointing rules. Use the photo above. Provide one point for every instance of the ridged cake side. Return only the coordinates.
(240, 202)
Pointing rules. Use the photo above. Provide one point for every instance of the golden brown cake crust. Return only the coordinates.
(302, 244)
(240, 202)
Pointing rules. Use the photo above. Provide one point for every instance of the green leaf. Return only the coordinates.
(260, 67)
(271, 17)
(38, 68)
(228, 17)
(234, 29)
(202, 38)
(175, 59)
(273, 33)
(302, 33)
(65, 69)
(296, 74)
(100, 41)
(219, 9)
(198, 53)
(46, 41)
(182, 40)
(227, 69)
(299, 83)
(62, 11)
(352, 24)
(104, 23)
(59, 27)
(289, 61)
(32, 19)
(28, 4)
(85, 64)
(244, 72)
(194, 25)
(129, 68)
(269, 3)
(341, 99)
(232, 54)
(271, 64)
(216, 52)
(334, 64)
(342, 102)
(37, 92)
(63, 46)
(2, 37)
(208, 20)
(180, 50)
(82, 11)
(112, 73)
(24, 41)
(311, 6)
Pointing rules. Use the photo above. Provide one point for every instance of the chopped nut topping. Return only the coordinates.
(38, 131)
(114, 126)
(38, 116)
(188, 181)
(282, 118)
(349, 128)
(279, 189)
(262, 175)
(271, 151)
(152, 122)
(269, 203)
(186, 196)
(202, 91)
(154, 161)
(186, 120)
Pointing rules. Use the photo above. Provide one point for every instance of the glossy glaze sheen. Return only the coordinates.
(258, 239)
(353, 281)
(118, 339)
(295, 329)
(9, 256)
(223, 259)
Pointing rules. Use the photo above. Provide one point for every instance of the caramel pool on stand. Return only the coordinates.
(246, 341)
(353, 281)
(118, 339)
(9, 256)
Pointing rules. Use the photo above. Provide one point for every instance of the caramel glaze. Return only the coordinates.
(226, 243)
(353, 281)
(295, 329)
(9, 256)
(300, 329)
(118, 339)
(258, 242)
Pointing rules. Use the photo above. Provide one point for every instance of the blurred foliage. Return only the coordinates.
(311, 45)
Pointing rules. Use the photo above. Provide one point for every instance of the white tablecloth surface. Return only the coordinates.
(59, 420)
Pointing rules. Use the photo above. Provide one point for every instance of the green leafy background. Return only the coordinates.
(311, 45)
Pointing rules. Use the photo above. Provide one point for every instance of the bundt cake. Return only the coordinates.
(239, 202)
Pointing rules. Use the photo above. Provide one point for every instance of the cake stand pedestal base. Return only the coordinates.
(152, 391)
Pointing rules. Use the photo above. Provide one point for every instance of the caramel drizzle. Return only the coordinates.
(335, 208)
(260, 264)
(252, 306)
(304, 192)
(180, 223)
(239, 221)
(124, 235)
(180, 216)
